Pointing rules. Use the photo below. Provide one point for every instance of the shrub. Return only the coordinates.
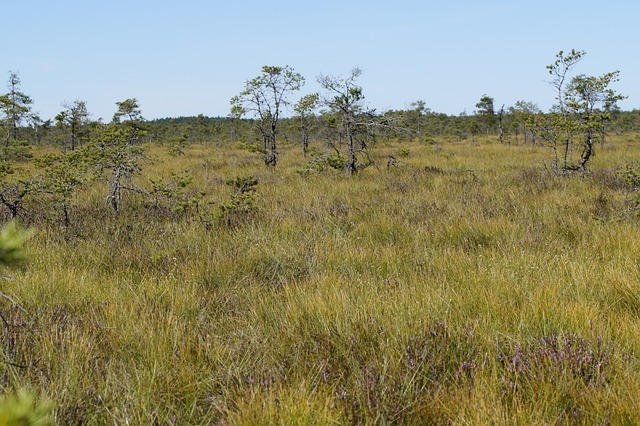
(241, 204)
(631, 176)
(21, 408)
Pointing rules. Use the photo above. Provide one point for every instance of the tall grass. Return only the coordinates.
(465, 285)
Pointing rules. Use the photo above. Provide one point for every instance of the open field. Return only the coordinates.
(466, 284)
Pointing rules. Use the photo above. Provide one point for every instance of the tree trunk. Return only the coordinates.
(14, 127)
(567, 142)
(114, 195)
(270, 154)
(500, 132)
(305, 141)
(73, 137)
(587, 152)
(65, 215)
(274, 153)
(270, 151)
(351, 164)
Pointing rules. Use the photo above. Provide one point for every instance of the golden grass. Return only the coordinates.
(398, 295)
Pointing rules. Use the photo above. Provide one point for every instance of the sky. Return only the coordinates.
(190, 57)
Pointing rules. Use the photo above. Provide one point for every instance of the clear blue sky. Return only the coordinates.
(190, 57)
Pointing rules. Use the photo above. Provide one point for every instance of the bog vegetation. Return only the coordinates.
(351, 267)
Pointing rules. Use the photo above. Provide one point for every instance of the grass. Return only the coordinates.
(465, 285)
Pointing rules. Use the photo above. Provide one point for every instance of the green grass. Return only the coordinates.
(467, 284)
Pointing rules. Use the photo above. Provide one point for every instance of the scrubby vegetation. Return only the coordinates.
(465, 283)
(355, 267)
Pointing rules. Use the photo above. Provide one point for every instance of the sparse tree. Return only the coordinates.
(74, 118)
(590, 101)
(304, 108)
(561, 120)
(346, 101)
(114, 151)
(415, 114)
(486, 113)
(500, 129)
(129, 115)
(583, 109)
(265, 97)
(39, 127)
(61, 176)
(521, 114)
(129, 109)
(15, 107)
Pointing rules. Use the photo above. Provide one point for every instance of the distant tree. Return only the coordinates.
(129, 109)
(112, 152)
(590, 101)
(304, 108)
(485, 105)
(348, 113)
(415, 114)
(521, 114)
(473, 127)
(39, 127)
(202, 128)
(129, 115)
(265, 97)
(583, 110)
(15, 107)
(61, 176)
(74, 118)
(486, 113)
(500, 120)
(561, 121)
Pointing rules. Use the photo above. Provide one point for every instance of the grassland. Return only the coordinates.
(464, 285)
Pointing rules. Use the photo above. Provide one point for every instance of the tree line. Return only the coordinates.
(334, 128)
(584, 109)
(264, 110)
